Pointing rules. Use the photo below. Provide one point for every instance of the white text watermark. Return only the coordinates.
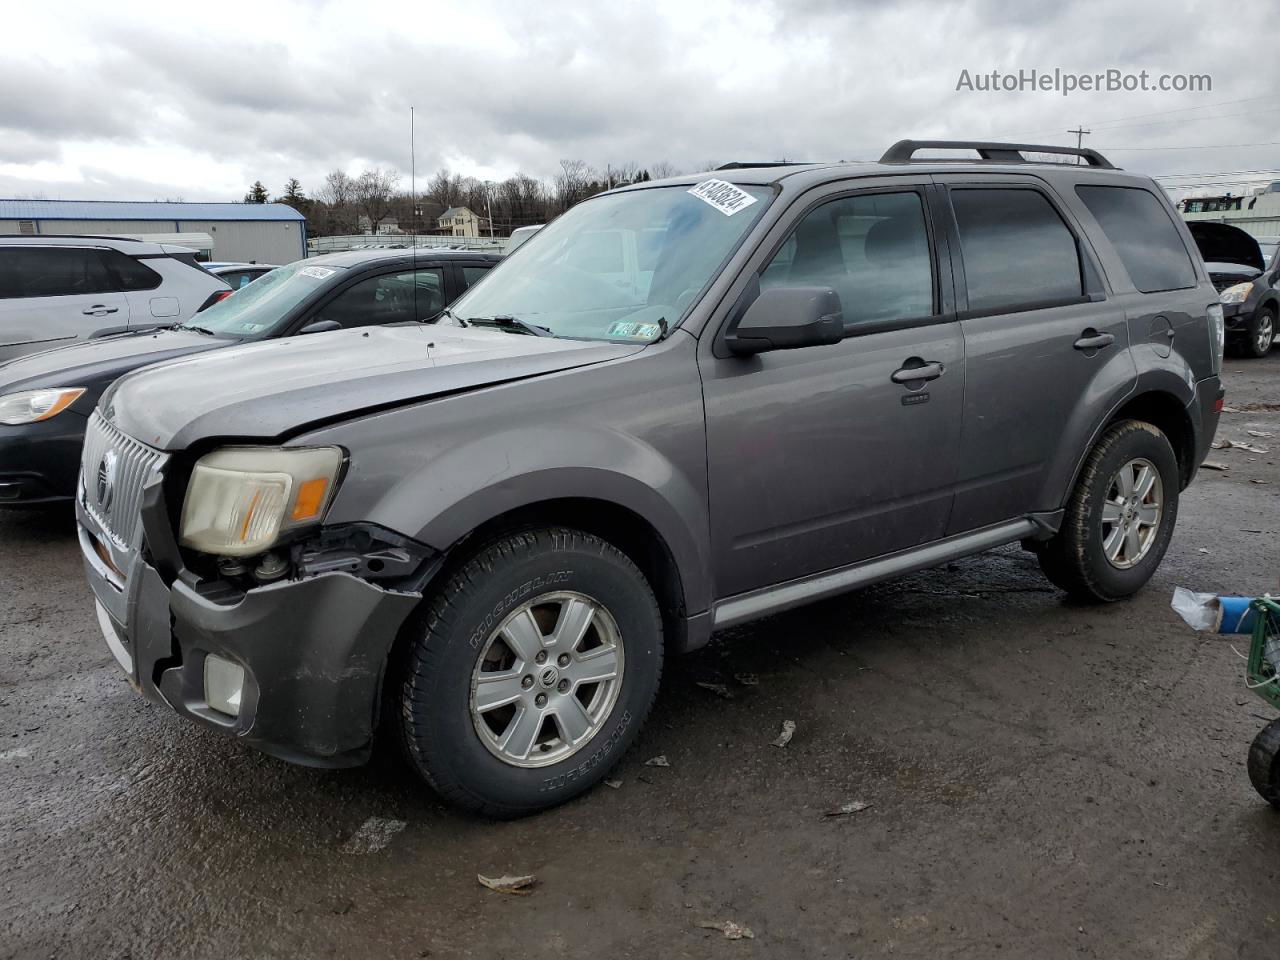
(1067, 82)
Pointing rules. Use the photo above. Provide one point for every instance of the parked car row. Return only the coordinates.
(682, 405)
(1248, 281)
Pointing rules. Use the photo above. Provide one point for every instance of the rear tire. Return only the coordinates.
(1264, 763)
(502, 711)
(1261, 333)
(1120, 517)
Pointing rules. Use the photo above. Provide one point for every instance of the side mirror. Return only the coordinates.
(785, 318)
(321, 326)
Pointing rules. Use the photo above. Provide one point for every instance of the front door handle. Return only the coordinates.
(1091, 339)
(924, 371)
(99, 310)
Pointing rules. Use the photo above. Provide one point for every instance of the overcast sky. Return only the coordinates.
(144, 101)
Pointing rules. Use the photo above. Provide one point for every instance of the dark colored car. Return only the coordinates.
(1248, 285)
(678, 407)
(46, 398)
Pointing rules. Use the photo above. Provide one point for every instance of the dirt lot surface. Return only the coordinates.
(1044, 780)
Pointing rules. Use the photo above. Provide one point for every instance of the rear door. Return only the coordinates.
(1042, 342)
(53, 295)
(827, 455)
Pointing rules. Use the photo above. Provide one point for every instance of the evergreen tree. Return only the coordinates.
(257, 193)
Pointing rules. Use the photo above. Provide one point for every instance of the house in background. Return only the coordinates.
(385, 225)
(459, 222)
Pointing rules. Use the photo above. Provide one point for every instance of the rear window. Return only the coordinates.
(52, 272)
(265, 305)
(1017, 251)
(1144, 236)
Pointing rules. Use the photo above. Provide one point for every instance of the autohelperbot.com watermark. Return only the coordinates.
(1067, 82)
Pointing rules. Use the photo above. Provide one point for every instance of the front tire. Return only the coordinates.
(1261, 333)
(1120, 517)
(530, 672)
(1264, 763)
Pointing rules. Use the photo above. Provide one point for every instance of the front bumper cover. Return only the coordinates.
(39, 462)
(314, 651)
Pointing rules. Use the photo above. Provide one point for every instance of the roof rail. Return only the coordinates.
(73, 236)
(748, 164)
(903, 150)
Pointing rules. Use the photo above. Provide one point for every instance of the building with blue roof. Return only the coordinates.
(249, 232)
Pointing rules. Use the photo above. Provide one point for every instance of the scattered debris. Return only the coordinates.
(17, 753)
(854, 806)
(1251, 447)
(518, 886)
(788, 731)
(1222, 443)
(747, 679)
(374, 834)
(719, 689)
(731, 930)
(1260, 481)
(659, 761)
(613, 784)
(1203, 550)
(1260, 434)
(1261, 406)
(1213, 465)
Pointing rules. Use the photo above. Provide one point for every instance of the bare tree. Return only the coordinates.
(338, 196)
(374, 194)
(572, 182)
(445, 188)
(663, 169)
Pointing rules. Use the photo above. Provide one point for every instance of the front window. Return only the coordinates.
(262, 307)
(619, 267)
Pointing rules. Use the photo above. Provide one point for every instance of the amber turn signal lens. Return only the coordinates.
(310, 499)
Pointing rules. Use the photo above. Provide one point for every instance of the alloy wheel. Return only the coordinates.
(546, 679)
(1131, 513)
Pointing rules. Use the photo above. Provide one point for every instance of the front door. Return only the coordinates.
(826, 455)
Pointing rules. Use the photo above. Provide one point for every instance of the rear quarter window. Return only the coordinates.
(1144, 236)
(130, 274)
(53, 272)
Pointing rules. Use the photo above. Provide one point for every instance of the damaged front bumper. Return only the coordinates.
(313, 650)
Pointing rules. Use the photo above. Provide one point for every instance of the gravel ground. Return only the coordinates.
(1044, 780)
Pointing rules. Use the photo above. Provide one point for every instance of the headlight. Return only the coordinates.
(1218, 334)
(32, 406)
(241, 499)
(1237, 294)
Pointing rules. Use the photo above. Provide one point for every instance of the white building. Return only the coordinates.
(1257, 214)
(261, 232)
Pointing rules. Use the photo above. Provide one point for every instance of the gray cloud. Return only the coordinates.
(821, 79)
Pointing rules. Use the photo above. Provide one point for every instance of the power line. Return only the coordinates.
(1143, 116)
(1221, 173)
(1205, 146)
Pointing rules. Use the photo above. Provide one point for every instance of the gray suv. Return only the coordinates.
(680, 406)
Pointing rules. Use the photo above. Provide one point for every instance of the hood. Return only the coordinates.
(101, 361)
(1223, 243)
(277, 388)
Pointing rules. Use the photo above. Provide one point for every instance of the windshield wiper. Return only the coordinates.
(191, 326)
(503, 322)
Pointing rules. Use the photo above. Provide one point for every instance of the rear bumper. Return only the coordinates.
(313, 651)
(39, 462)
(1204, 411)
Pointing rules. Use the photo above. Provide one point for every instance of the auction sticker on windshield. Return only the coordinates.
(722, 195)
(317, 273)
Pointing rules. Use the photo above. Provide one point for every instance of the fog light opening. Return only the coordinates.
(223, 685)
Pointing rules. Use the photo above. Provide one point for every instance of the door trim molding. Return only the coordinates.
(758, 603)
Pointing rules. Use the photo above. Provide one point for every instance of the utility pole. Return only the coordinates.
(1080, 132)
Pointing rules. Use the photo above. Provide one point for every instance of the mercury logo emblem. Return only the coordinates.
(550, 676)
(107, 479)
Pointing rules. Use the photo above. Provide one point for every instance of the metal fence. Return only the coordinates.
(396, 241)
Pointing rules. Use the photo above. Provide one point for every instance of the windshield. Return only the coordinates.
(259, 309)
(620, 267)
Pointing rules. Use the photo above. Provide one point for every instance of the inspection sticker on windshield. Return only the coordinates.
(724, 196)
(316, 273)
(648, 332)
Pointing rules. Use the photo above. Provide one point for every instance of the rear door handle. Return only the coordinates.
(1093, 340)
(925, 371)
(99, 310)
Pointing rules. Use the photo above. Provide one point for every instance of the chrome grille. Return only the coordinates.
(113, 469)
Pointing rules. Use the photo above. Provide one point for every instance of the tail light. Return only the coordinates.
(216, 297)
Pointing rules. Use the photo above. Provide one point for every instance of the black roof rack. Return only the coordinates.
(902, 151)
(74, 236)
(748, 164)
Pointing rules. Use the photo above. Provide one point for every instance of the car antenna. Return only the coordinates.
(413, 214)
